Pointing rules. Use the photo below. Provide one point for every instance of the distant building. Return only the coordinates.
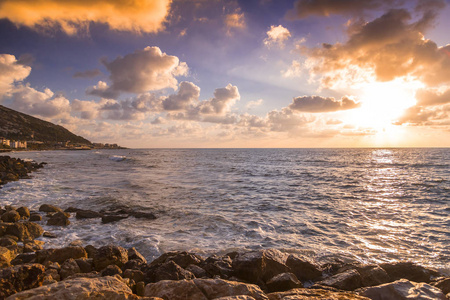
(5, 142)
(18, 144)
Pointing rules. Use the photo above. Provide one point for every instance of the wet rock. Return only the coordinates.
(32, 246)
(24, 231)
(372, 275)
(136, 275)
(59, 219)
(167, 271)
(348, 280)
(87, 214)
(410, 271)
(6, 256)
(402, 290)
(283, 282)
(60, 255)
(218, 266)
(197, 271)
(241, 297)
(134, 254)
(140, 289)
(113, 218)
(111, 270)
(11, 216)
(8, 241)
(35, 217)
(18, 278)
(71, 209)
(81, 289)
(91, 251)
(24, 258)
(68, 268)
(24, 212)
(86, 264)
(134, 264)
(443, 284)
(314, 294)
(49, 235)
(143, 215)
(303, 267)
(50, 208)
(183, 259)
(262, 265)
(202, 289)
(110, 255)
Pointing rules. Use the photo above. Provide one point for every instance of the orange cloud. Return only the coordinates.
(74, 15)
(317, 104)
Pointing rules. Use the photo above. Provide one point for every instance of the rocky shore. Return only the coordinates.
(28, 271)
(13, 169)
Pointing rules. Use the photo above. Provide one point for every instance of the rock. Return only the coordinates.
(143, 215)
(348, 280)
(59, 219)
(50, 208)
(260, 265)
(110, 255)
(25, 231)
(68, 268)
(197, 271)
(402, 289)
(87, 214)
(183, 259)
(111, 270)
(134, 264)
(71, 209)
(32, 246)
(24, 212)
(314, 294)
(372, 275)
(35, 217)
(241, 297)
(24, 258)
(49, 235)
(8, 241)
(134, 254)
(18, 278)
(60, 255)
(136, 275)
(140, 289)
(201, 289)
(91, 251)
(113, 218)
(6, 256)
(443, 284)
(218, 266)
(86, 264)
(303, 267)
(10, 207)
(283, 282)
(410, 271)
(11, 216)
(81, 289)
(167, 271)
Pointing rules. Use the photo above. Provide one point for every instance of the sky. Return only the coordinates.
(230, 73)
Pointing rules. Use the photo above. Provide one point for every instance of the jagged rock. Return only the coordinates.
(260, 265)
(71, 209)
(402, 290)
(91, 251)
(86, 264)
(11, 216)
(183, 259)
(372, 275)
(60, 255)
(87, 214)
(410, 271)
(201, 289)
(443, 284)
(218, 266)
(8, 241)
(68, 268)
(32, 246)
(167, 271)
(140, 289)
(24, 212)
(314, 294)
(134, 264)
(111, 270)
(142, 215)
(134, 254)
(113, 218)
(241, 297)
(18, 278)
(24, 231)
(24, 258)
(49, 235)
(59, 219)
(50, 208)
(303, 267)
(110, 255)
(6, 256)
(35, 217)
(136, 275)
(197, 271)
(81, 289)
(348, 280)
(283, 282)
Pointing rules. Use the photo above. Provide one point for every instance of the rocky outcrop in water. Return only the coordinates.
(13, 169)
(76, 272)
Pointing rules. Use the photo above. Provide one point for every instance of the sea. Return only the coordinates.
(352, 205)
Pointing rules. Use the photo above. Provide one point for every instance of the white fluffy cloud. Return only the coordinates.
(277, 35)
(102, 90)
(187, 94)
(73, 16)
(10, 72)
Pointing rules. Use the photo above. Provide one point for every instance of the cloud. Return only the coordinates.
(102, 90)
(325, 8)
(73, 16)
(277, 35)
(45, 104)
(318, 104)
(425, 116)
(87, 74)
(388, 47)
(234, 21)
(137, 108)
(431, 97)
(295, 70)
(286, 120)
(187, 94)
(145, 70)
(253, 104)
(11, 71)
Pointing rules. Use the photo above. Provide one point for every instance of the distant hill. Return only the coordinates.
(18, 126)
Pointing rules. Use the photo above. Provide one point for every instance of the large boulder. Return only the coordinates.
(134, 254)
(59, 219)
(283, 282)
(10, 216)
(6, 256)
(262, 265)
(202, 289)
(60, 255)
(110, 255)
(402, 290)
(372, 275)
(218, 266)
(443, 284)
(410, 271)
(18, 278)
(314, 294)
(167, 271)
(24, 231)
(303, 267)
(81, 289)
(183, 259)
(49, 208)
(69, 268)
(348, 280)
(87, 214)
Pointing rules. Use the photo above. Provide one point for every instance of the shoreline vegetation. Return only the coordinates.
(28, 270)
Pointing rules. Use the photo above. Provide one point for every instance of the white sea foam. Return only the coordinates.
(117, 157)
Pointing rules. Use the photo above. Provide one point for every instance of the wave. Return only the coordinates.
(117, 157)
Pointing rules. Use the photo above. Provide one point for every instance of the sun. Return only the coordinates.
(382, 103)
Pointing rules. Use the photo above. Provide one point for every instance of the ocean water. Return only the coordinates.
(365, 205)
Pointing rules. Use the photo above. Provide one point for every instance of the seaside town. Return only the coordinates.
(7, 145)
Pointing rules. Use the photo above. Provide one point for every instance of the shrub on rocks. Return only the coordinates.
(110, 255)
(18, 278)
